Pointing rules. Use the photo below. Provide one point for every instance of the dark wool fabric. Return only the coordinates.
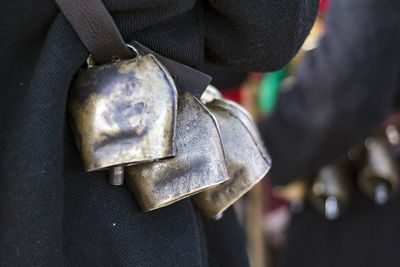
(52, 213)
(225, 79)
(344, 89)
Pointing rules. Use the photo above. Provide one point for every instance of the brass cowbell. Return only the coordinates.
(248, 162)
(199, 163)
(379, 179)
(330, 191)
(123, 113)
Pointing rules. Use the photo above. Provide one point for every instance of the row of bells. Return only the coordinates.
(126, 116)
(376, 175)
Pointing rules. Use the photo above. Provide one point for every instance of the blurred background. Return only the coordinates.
(329, 120)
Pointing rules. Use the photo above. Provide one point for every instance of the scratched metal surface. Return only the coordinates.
(199, 162)
(123, 113)
(248, 161)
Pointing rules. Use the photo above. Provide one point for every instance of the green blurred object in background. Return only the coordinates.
(269, 90)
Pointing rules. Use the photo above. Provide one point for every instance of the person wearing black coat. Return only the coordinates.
(53, 213)
(343, 90)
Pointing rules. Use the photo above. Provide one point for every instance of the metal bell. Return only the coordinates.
(198, 165)
(330, 192)
(379, 179)
(123, 113)
(294, 193)
(248, 162)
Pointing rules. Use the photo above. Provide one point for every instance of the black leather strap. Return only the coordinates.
(96, 29)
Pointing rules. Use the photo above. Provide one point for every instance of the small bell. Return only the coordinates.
(330, 192)
(123, 113)
(379, 179)
(294, 193)
(248, 162)
(199, 163)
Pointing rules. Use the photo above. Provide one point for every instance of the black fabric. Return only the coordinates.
(52, 213)
(367, 235)
(222, 244)
(225, 79)
(344, 89)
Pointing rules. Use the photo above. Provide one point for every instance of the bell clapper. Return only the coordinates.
(332, 211)
(381, 194)
(117, 175)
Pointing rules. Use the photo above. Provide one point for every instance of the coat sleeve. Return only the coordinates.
(260, 35)
(343, 90)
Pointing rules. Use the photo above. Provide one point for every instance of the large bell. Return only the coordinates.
(123, 113)
(199, 163)
(248, 162)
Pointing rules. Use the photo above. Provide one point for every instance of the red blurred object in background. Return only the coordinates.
(324, 5)
(233, 95)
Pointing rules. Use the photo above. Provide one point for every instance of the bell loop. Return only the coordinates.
(115, 58)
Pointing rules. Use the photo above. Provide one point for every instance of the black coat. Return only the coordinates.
(52, 213)
(344, 89)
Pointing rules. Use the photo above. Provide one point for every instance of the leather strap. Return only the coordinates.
(96, 29)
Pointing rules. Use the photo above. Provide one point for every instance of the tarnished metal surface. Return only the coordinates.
(379, 179)
(248, 162)
(330, 192)
(123, 113)
(199, 162)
